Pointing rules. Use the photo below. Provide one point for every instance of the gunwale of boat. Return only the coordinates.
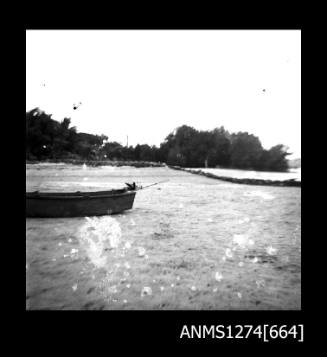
(77, 194)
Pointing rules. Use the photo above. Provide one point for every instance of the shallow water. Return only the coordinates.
(190, 243)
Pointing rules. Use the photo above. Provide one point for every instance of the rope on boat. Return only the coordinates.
(142, 187)
(136, 188)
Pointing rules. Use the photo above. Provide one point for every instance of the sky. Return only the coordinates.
(145, 83)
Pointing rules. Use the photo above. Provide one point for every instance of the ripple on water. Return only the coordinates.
(198, 236)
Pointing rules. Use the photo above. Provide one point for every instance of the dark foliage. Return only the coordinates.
(186, 146)
(48, 139)
(218, 148)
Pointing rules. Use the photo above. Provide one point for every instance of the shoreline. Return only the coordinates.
(95, 163)
(246, 181)
(143, 164)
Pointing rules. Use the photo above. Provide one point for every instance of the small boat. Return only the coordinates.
(79, 204)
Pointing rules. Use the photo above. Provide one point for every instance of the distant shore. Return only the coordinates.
(246, 181)
(140, 164)
(95, 163)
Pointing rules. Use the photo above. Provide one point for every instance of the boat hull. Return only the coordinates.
(92, 204)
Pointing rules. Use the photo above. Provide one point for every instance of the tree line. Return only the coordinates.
(185, 146)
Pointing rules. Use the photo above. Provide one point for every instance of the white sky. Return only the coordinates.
(145, 83)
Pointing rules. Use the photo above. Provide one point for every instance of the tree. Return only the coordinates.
(245, 150)
(220, 154)
(47, 138)
(276, 158)
(40, 133)
(113, 150)
(192, 148)
(146, 153)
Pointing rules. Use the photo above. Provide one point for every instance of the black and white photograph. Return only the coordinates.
(163, 169)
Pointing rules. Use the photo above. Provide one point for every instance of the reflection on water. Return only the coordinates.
(194, 244)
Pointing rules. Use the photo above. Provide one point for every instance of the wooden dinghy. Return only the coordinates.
(79, 204)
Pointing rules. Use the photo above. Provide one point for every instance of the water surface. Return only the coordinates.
(190, 243)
